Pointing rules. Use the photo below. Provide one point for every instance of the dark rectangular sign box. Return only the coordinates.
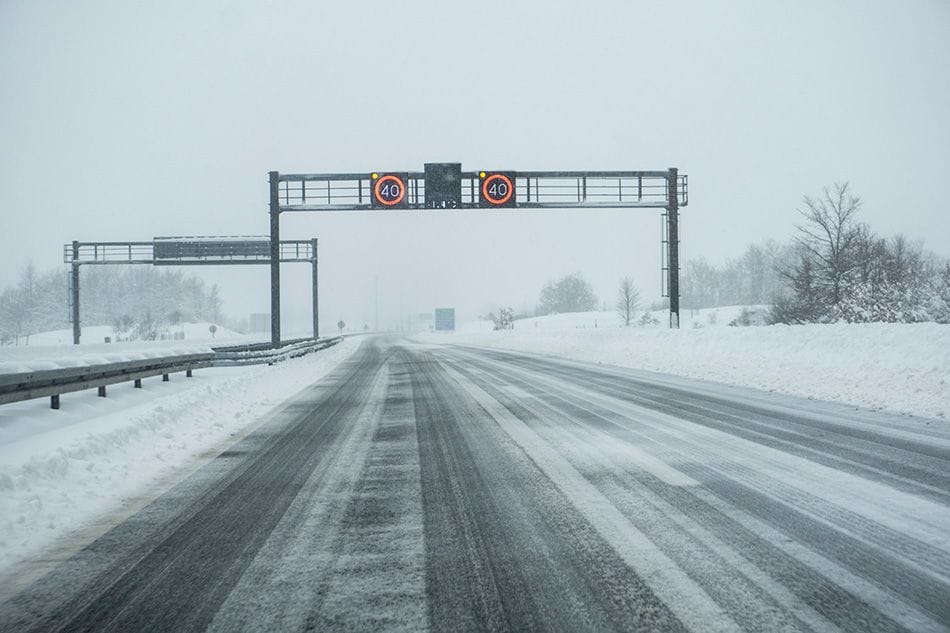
(443, 185)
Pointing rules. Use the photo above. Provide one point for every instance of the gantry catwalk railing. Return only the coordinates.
(187, 251)
(532, 190)
(444, 186)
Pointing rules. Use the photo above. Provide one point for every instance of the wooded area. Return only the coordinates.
(138, 301)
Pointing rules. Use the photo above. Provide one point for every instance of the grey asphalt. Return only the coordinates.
(436, 487)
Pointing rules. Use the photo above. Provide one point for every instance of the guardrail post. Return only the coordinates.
(315, 292)
(75, 290)
(672, 219)
(274, 259)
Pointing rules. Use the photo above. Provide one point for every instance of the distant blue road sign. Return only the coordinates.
(444, 319)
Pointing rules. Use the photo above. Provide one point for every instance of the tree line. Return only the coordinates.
(137, 301)
(754, 278)
(835, 268)
(843, 271)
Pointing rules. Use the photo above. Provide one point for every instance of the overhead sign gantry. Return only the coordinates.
(446, 186)
(187, 251)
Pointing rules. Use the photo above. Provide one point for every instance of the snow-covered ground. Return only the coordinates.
(899, 367)
(191, 333)
(96, 335)
(54, 349)
(59, 470)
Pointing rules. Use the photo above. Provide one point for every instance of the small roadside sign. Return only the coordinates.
(444, 319)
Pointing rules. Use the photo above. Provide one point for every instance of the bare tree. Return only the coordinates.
(829, 238)
(628, 297)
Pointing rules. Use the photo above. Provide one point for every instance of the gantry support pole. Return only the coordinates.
(673, 245)
(75, 292)
(315, 293)
(274, 260)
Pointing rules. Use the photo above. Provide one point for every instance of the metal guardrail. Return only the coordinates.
(260, 346)
(29, 385)
(15, 387)
(256, 354)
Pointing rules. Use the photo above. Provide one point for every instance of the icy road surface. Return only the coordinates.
(436, 487)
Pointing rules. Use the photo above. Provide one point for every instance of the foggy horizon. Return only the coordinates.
(126, 123)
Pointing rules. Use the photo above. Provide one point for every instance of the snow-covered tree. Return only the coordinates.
(628, 297)
(38, 302)
(505, 319)
(571, 293)
(938, 304)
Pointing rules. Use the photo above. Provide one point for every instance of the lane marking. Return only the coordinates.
(902, 611)
(723, 452)
(623, 451)
(681, 594)
(892, 605)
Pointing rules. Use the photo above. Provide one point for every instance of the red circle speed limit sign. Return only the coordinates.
(497, 190)
(389, 191)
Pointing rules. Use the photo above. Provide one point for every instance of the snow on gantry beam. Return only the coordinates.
(489, 188)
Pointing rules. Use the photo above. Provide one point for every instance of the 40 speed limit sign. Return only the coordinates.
(497, 189)
(389, 191)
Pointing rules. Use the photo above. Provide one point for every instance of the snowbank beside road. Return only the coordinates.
(59, 470)
(899, 367)
(96, 335)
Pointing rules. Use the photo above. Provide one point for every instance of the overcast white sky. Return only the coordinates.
(124, 121)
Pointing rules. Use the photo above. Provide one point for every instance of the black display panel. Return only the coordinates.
(443, 185)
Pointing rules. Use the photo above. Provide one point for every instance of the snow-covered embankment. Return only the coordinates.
(60, 470)
(899, 367)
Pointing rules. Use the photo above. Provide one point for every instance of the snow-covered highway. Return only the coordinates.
(450, 488)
